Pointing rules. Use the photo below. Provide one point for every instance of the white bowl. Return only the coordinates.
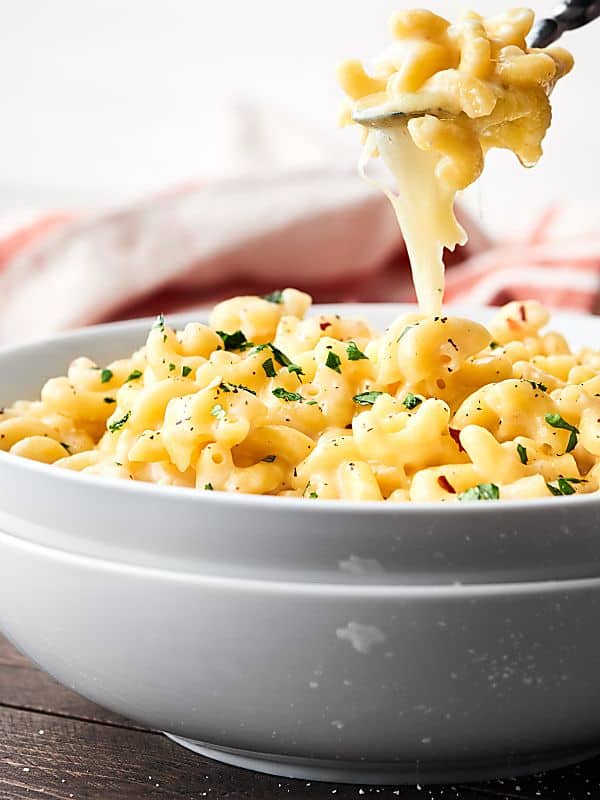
(332, 640)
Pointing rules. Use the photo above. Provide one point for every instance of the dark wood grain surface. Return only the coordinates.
(55, 744)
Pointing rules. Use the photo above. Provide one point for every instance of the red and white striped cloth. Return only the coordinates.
(320, 230)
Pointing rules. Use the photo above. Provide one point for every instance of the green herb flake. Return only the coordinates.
(354, 354)
(522, 451)
(483, 491)
(235, 341)
(159, 322)
(313, 496)
(494, 345)
(563, 486)
(556, 421)
(296, 369)
(274, 297)
(541, 386)
(269, 459)
(134, 376)
(411, 401)
(283, 394)
(366, 398)
(218, 411)
(110, 400)
(119, 423)
(279, 356)
(246, 389)
(172, 367)
(333, 361)
(185, 371)
(404, 332)
(209, 487)
(269, 368)
(311, 403)
(106, 375)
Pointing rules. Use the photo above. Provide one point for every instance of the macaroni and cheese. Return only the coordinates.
(464, 88)
(266, 400)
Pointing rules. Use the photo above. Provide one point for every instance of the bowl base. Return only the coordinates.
(369, 773)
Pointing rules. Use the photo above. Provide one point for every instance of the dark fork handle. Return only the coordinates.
(569, 15)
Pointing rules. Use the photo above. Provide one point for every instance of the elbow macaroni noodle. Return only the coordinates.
(266, 400)
(465, 88)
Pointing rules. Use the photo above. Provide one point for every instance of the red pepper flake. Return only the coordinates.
(455, 434)
(446, 485)
(512, 323)
(324, 325)
(523, 313)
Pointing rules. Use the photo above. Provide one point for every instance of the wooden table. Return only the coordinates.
(55, 744)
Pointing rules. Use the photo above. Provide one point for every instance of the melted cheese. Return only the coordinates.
(467, 87)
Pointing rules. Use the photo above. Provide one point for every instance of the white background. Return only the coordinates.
(105, 99)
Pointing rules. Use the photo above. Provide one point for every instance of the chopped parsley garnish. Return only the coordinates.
(283, 360)
(556, 421)
(185, 371)
(105, 375)
(354, 354)
(274, 297)
(404, 332)
(411, 401)
(483, 491)
(283, 394)
(541, 386)
(235, 341)
(119, 423)
(522, 451)
(133, 376)
(209, 487)
(171, 367)
(311, 403)
(563, 486)
(313, 496)
(234, 387)
(280, 357)
(269, 368)
(333, 362)
(494, 345)
(109, 400)
(296, 369)
(218, 411)
(269, 459)
(366, 398)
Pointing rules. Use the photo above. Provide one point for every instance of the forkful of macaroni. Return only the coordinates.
(438, 98)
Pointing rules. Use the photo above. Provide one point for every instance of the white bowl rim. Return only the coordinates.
(268, 502)
(277, 586)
